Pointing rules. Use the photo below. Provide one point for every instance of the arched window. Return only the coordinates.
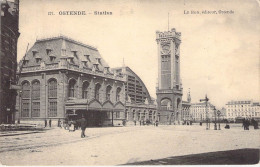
(52, 98)
(108, 92)
(118, 91)
(25, 99)
(52, 88)
(36, 90)
(166, 104)
(35, 99)
(97, 89)
(85, 90)
(72, 90)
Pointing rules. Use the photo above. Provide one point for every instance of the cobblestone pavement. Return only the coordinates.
(121, 145)
(54, 136)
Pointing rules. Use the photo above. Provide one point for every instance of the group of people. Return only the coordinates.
(46, 123)
(246, 123)
(147, 122)
(73, 125)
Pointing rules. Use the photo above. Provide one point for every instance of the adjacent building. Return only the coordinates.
(169, 89)
(140, 106)
(186, 109)
(65, 79)
(202, 111)
(242, 109)
(8, 59)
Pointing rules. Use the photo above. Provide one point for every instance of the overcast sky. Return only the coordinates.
(219, 52)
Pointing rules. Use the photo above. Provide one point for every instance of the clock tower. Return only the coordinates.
(169, 88)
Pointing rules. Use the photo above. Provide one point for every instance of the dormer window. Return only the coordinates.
(70, 58)
(52, 59)
(96, 67)
(99, 61)
(48, 51)
(107, 69)
(63, 51)
(85, 62)
(34, 52)
(75, 53)
(25, 62)
(38, 59)
(88, 57)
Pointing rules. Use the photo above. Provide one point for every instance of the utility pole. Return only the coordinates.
(207, 119)
(215, 126)
(218, 120)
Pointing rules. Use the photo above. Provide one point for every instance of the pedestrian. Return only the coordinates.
(247, 123)
(71, 127)
(156, 123)
(244, 123)
(59, 122)
(50, 123)
(135, 122)
(140, 123)
(83, 125)
(45, 122)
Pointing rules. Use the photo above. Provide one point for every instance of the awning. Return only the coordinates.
(15, 87)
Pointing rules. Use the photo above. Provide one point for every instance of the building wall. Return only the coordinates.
(242, 109)
(198, 111)
(8, 59)
(65, 72)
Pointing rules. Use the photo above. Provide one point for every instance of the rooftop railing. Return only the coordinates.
(72, 67)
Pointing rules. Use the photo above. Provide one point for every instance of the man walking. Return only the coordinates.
(45, 122)
(83, 125)
(50, 122)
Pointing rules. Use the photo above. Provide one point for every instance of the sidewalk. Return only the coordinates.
(230, 157)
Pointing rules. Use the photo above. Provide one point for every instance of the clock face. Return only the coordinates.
(166, 49)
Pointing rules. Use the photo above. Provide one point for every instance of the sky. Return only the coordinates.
(219, 53)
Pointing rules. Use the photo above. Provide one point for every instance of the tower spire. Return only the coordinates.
(123, 62)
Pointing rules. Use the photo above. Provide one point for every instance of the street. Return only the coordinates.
(121, 145)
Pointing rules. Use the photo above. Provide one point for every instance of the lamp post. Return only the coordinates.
(20, 106)
(219, 120)
(207, 119)
(215, 126)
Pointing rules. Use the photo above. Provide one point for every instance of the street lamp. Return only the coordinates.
(207, 119)
(219, 120)
(215, 126)
(20, 106)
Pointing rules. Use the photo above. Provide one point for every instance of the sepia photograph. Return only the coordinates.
(129, 82)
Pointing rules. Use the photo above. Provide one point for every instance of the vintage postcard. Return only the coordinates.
(129, 82)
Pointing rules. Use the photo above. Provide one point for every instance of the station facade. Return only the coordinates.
(65, 79)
